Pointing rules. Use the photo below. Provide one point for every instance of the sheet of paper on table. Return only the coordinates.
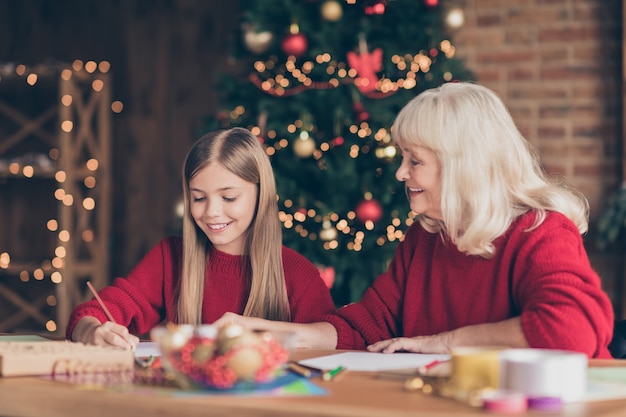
(147, 349)
(373, 361)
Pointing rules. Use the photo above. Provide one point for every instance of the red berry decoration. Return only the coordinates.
(338, 141)
(369, 210)
(295, 44)
(363, 116)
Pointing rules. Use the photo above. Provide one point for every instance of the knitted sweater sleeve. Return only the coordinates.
(559, 295)
(309, 298)
(378, 315)
(138, 300)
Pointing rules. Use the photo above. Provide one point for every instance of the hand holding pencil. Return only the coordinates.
(90, 330)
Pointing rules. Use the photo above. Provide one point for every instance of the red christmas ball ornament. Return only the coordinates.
(369, 210)
(295, 44)
(377, 8)
(328, 275)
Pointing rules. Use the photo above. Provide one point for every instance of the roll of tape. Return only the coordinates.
(545, 373)
(502, 401)
(475, 368)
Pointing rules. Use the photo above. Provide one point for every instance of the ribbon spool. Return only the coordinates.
(475, 368)
(545, 373)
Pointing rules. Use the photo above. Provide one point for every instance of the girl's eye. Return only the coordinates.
(229, 199)
(198, 199)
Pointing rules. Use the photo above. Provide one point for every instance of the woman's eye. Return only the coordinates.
(414, 162)
(198, 199)
(229, 199)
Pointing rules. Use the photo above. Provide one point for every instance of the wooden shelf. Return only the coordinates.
(67, 114)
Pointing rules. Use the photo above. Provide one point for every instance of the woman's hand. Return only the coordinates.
(505, 333)
(89, 330)
(420, 344)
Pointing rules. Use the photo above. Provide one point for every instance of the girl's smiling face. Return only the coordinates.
(223, 206)
(420, 170)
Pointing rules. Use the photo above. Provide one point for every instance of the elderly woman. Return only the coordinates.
(496, 256)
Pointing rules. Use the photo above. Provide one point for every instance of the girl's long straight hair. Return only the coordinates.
(240, 152)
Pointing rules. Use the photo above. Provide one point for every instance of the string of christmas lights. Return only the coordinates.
(41, 165)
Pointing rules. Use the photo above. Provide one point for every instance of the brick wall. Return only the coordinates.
(557, 66)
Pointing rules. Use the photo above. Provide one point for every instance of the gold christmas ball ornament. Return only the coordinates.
(172, 337)
(203, 352)
(228, 331)
(328, 232)
(235, 336)
(257, 42)
(304, 146)
(332, 10)
(245, 362)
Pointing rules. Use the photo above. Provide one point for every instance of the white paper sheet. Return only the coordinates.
(147, 349)
(373, 361)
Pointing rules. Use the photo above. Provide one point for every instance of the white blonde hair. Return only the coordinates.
(490, 174)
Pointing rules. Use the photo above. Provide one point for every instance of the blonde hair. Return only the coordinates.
(239, 151)
(490, 174)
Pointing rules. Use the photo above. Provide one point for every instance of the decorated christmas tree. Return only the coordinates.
(320, 82)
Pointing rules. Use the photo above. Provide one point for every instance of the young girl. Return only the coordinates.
(230, 257)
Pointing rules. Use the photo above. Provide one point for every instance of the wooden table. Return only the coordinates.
(356, 394)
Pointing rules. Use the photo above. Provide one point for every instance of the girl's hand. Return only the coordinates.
(253, 323)
(89, 330)
(113, 334)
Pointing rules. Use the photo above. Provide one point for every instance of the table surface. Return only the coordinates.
(356, 394)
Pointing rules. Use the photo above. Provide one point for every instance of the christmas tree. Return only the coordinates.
(320, 82)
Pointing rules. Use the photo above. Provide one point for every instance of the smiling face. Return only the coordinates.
(420, 170)
(223, 206)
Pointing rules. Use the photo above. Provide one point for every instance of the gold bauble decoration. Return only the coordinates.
(245, 362)
(257, 42)
(328, 232)
(304, 147)
(332, 10)
(171, 338)
(203, 352)
(234, 336)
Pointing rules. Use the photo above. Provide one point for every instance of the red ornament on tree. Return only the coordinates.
(328, 275)
(366, 66)
(376, 7)
(369, 210)
(295, 44)
(338, 141)
(363, 116)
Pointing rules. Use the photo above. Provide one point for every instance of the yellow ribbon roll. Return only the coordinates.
(475, 368)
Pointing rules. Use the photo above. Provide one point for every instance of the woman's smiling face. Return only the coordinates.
(420, 170)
